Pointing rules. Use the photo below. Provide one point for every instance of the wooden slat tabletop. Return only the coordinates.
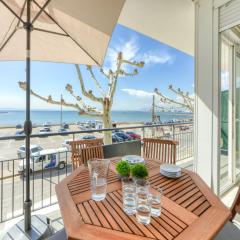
(190, 210)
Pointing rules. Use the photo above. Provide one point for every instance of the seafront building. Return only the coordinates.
(209, 30)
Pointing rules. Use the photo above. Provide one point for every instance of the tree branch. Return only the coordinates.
(104, 73)
(89, 68)
(189, 102)
(88, 94)
(168, 100)
(82, 110)
(113, 76)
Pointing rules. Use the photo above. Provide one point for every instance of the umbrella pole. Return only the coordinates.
(31, 227)
(28, 124)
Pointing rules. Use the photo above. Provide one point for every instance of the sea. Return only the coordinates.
(13, 117)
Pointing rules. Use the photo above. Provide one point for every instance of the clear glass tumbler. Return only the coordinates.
(156, 202)
(129, 196)
(143, 210)
(98, 170)
(142, 187)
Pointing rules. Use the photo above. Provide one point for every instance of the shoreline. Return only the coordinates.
(134, 123)
(3, 126)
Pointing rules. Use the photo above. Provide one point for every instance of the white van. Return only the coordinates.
(45, 159)
(67, 143)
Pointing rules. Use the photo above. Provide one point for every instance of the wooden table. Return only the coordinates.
(190, 210)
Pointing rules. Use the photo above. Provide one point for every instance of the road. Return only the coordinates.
(42, 191)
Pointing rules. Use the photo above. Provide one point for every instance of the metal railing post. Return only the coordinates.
(173, 131)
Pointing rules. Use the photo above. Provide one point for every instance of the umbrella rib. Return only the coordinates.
(41, 10)
(7, 40)
(67, 34)
(4, 43)
(9, 8)
(47, 31)
(24, 4)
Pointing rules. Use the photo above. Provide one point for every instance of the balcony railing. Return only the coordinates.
(43, 181)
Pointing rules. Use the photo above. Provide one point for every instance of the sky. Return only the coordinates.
(164, 65)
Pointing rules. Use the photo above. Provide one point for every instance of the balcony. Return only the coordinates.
(43, 181)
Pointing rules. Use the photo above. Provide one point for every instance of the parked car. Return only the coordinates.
(19, 126)
(20, 133)
(91, 124)
(45, 159)
(88, 137)
(116, 139)
(184, 128)
(45, 130)
(66, 126)
(82, 127)
(124, 136)
(62, 130)
(47, 124)
(134, 135)
(21, 153)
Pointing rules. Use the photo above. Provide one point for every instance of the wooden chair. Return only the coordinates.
(83, 150)
(162, 150)
(231, 231)
(236, 205)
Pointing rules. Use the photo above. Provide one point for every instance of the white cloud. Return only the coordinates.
(131, 50)
(156, 57)
(137, 92)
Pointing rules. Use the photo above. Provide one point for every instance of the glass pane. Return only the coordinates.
(226, 58)
(237, 111)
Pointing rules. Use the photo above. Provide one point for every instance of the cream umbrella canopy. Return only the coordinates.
(68, 31)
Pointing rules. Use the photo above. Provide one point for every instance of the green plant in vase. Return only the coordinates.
(123, 168)
(139, 171)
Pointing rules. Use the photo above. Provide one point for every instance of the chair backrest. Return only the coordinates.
(160, 149)
(236, 205)
(83, 150)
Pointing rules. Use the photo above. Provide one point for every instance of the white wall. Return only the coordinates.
(206, 92)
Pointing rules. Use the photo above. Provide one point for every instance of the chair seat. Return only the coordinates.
(60, 235)
(229, 232)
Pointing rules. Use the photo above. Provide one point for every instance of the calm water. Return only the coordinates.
(39, 117)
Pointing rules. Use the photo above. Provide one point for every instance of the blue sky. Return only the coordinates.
(163, 66)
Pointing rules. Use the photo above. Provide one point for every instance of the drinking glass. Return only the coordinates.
(142, 187)
(156, 202)
(98, 170)
(129, 196)
(143, 209)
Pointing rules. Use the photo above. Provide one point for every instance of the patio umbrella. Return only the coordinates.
(68, 31)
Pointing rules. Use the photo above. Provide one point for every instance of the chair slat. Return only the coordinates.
(162, 150)
(83, 150)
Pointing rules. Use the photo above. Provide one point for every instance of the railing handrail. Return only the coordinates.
(95, 130)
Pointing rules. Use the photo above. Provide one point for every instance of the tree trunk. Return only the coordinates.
(107, 122)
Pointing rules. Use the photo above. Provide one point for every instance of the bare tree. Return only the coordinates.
(104, 98)
(182, 100)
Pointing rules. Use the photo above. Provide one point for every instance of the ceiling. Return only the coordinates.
(168, 21)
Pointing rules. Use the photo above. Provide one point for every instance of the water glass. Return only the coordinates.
(143, 208)
(129, 196)
(142, 187)
(98, 170)
(156, 202)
